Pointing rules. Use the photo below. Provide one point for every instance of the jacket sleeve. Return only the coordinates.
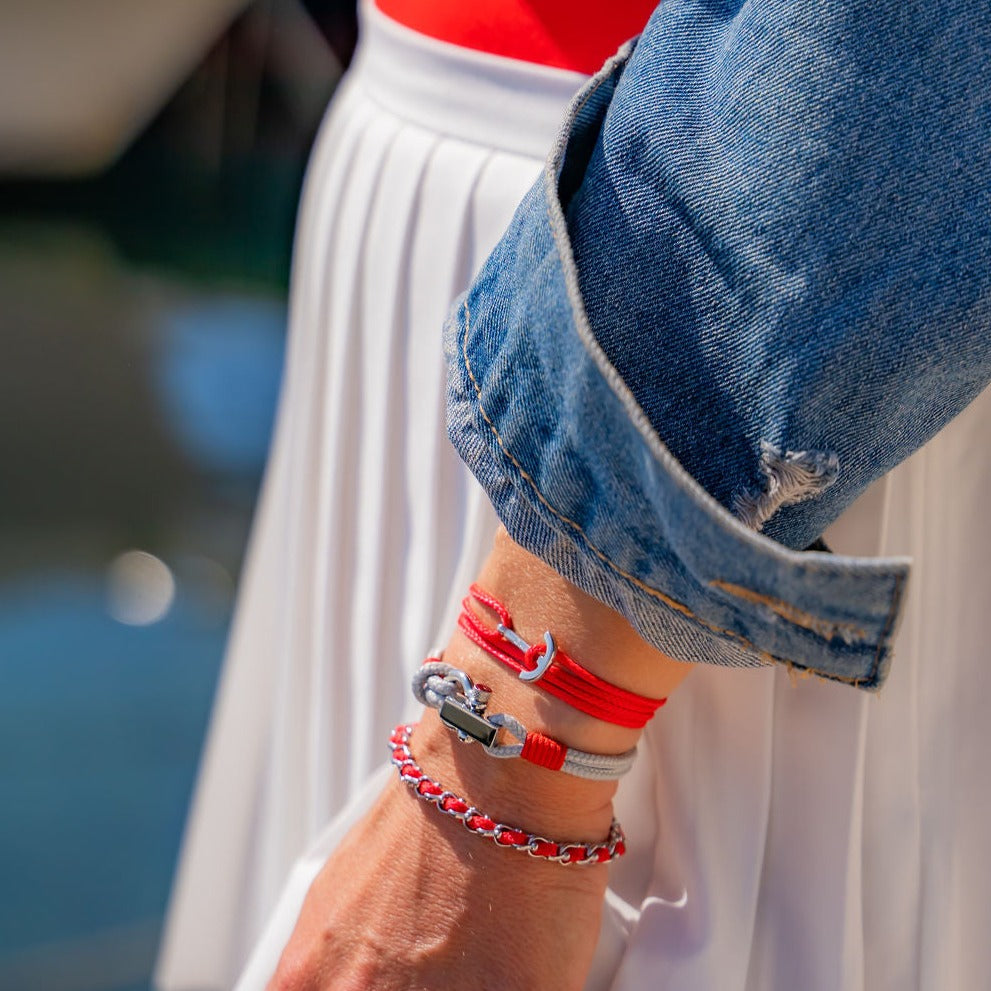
(754, 276)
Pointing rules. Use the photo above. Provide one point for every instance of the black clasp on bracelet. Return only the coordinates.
(464, 712)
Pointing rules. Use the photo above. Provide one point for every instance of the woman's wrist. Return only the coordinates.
(557, 806)
(599, 638)
(540, 800)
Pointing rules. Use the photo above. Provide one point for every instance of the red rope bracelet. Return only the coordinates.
(552, 669)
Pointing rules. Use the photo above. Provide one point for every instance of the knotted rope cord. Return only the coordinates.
(564, 678)
(433, 683)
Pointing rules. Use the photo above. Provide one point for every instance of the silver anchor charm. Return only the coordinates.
(543, 663)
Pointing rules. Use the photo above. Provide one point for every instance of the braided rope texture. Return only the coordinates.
(434, 682)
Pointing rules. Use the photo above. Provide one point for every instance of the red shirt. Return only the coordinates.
(567, 34)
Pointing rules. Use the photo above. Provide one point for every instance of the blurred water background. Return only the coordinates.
(144, 263)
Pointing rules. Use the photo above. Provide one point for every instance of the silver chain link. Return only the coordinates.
(412, 775)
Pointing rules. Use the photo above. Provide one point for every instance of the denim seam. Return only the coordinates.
(825, 628)
(586, 95)
(671, 603)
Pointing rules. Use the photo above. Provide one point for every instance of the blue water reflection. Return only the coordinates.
(100, 725)
(141, 338)
(107, 689)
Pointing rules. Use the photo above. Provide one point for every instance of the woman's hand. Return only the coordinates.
(412, 900)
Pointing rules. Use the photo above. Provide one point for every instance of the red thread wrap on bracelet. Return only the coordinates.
(543, 751)
(564, 677)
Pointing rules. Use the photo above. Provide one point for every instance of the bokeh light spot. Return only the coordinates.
(140, 588)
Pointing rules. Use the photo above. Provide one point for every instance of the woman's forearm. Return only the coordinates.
(411, 899)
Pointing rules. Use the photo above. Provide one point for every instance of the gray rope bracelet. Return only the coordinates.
(462, 704)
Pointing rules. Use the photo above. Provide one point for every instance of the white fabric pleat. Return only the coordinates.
(368, 528)
(804, 835)
(783, 835)
(798, 834)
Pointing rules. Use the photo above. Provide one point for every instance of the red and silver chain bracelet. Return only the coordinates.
(475, 821)
(462, 707)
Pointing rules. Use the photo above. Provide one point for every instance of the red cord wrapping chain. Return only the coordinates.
(563, 677)
(475, 821)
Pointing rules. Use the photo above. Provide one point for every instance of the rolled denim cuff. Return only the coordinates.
(579, 477)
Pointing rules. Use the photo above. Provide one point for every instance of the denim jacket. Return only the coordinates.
(754, 275)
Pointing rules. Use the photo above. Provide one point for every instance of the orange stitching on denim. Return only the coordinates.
(666, 599)
(825, 628)
(653, 592)
(601, 555)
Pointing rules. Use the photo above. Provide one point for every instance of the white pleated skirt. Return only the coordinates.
(369, 528)
(783, 836)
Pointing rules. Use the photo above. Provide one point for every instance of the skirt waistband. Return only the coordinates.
(486, 99)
